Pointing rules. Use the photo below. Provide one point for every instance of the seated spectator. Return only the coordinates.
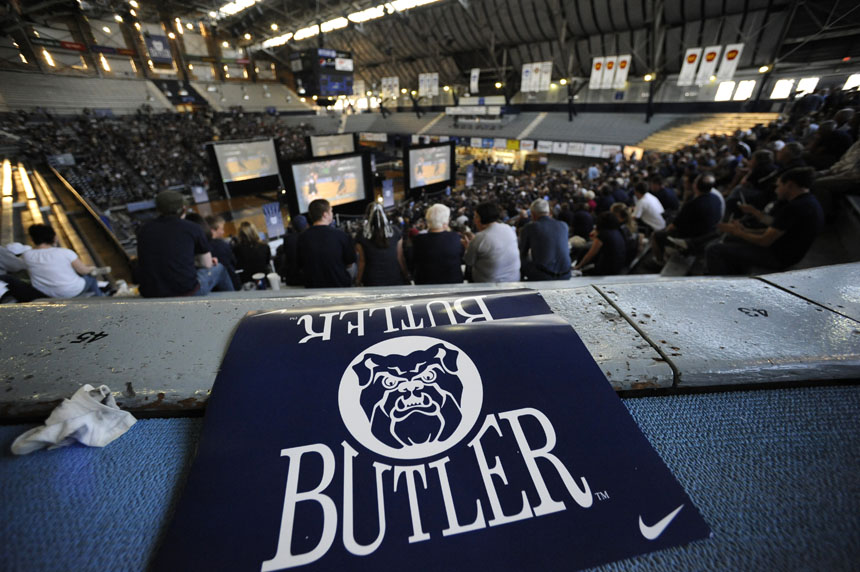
(827, 146)
(696, 220)
(252, 254)
(173, 254)
(379, 248)
(843, 177)
(756, 186)
(784, 242)
(544, 250)
(324, 252)
(55, 271)
(492, 254)
(648, 208)
(12, 287)
(607, 251)
(666, 195)
(287, 255)
(628, 231)
(583, 221)
(438, 253)
(220, 248)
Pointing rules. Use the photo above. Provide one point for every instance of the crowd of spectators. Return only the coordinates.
(753, 200)
(118, 160)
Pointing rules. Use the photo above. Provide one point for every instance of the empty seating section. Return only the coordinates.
(615, 128)
(361, 122)
(250, 96)
(65, 95)
(509, 126)
(686, 131)
(6, 199)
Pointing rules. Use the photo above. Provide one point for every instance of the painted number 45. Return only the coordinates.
(89, 337)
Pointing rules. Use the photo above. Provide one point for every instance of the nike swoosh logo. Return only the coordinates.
(652, 532)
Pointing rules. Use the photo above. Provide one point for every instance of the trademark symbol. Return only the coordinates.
(602, 495)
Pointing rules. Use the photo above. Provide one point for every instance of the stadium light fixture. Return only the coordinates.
(764, 69)
(562, 81)
(48, 58)
(23, 59)
(105, 29)
(308, 32)
(649, 77)
(553, 85)
(302, 99)
(413, 92)
(225, 44)
(446, 88)
(368, 93)
(117, 17)
(314, 97)
(498, 85)
(191, 67)
(213, 14)
(247, 36)
(134, 4)
(171, 35)
(133, 13)
(137, 26)
(189, 26)
(403, 90)
(274, 27)
(104, 62)
(712, 79)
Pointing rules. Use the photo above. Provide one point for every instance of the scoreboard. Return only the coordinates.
(323, 72)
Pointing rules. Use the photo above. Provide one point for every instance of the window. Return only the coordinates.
(745, 89)
(806, 85)
(852, 82)
(724, 91)
(782, 89)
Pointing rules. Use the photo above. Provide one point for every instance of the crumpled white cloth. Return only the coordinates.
(90, 417)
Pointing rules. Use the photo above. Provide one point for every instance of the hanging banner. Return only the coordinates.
(274, 220)
(500, 143)
(527, 145)
(596, 79)
(710, 59)
(387, 193)
(608, 78)
(559, 147)
(526, 79)
(536, 76)
(729, 62)
(622, 68)
(476, 142)
(689, 66)
(370, 435)
(158, 49)
(473, 80)
(545, 75)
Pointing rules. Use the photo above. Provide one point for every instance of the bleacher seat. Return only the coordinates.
(261, 96)
(65, 95)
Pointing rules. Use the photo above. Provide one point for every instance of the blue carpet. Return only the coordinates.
(776, 473)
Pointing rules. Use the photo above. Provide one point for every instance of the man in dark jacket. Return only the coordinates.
(324, 252)
(544, 250)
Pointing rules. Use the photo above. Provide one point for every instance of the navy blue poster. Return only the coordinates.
(158, 48)
(435, 433)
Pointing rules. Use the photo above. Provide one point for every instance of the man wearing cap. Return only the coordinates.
(544, 250)
(173, 254)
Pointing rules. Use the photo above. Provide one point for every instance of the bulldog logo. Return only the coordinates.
(410, 397)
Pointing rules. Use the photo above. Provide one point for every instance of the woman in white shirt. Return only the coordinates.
(55, 271)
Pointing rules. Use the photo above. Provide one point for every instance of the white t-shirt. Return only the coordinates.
(649, 209)
(51, 272)
(494, 255)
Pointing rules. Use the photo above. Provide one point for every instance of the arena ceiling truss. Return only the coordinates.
(499, 36)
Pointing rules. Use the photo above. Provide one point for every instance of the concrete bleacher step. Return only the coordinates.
(645, 333)
(678, 136)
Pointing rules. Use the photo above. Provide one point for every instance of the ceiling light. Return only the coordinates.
(189, 25)
(247, 36)
(562, 81)
(117, 17)
(648, 77)
(274, 27)
(446, 88)
(225, 44)
(764, 69)
(106, 29)
(171, 35)
(134, 4)
(498, 85)
(403, 90)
